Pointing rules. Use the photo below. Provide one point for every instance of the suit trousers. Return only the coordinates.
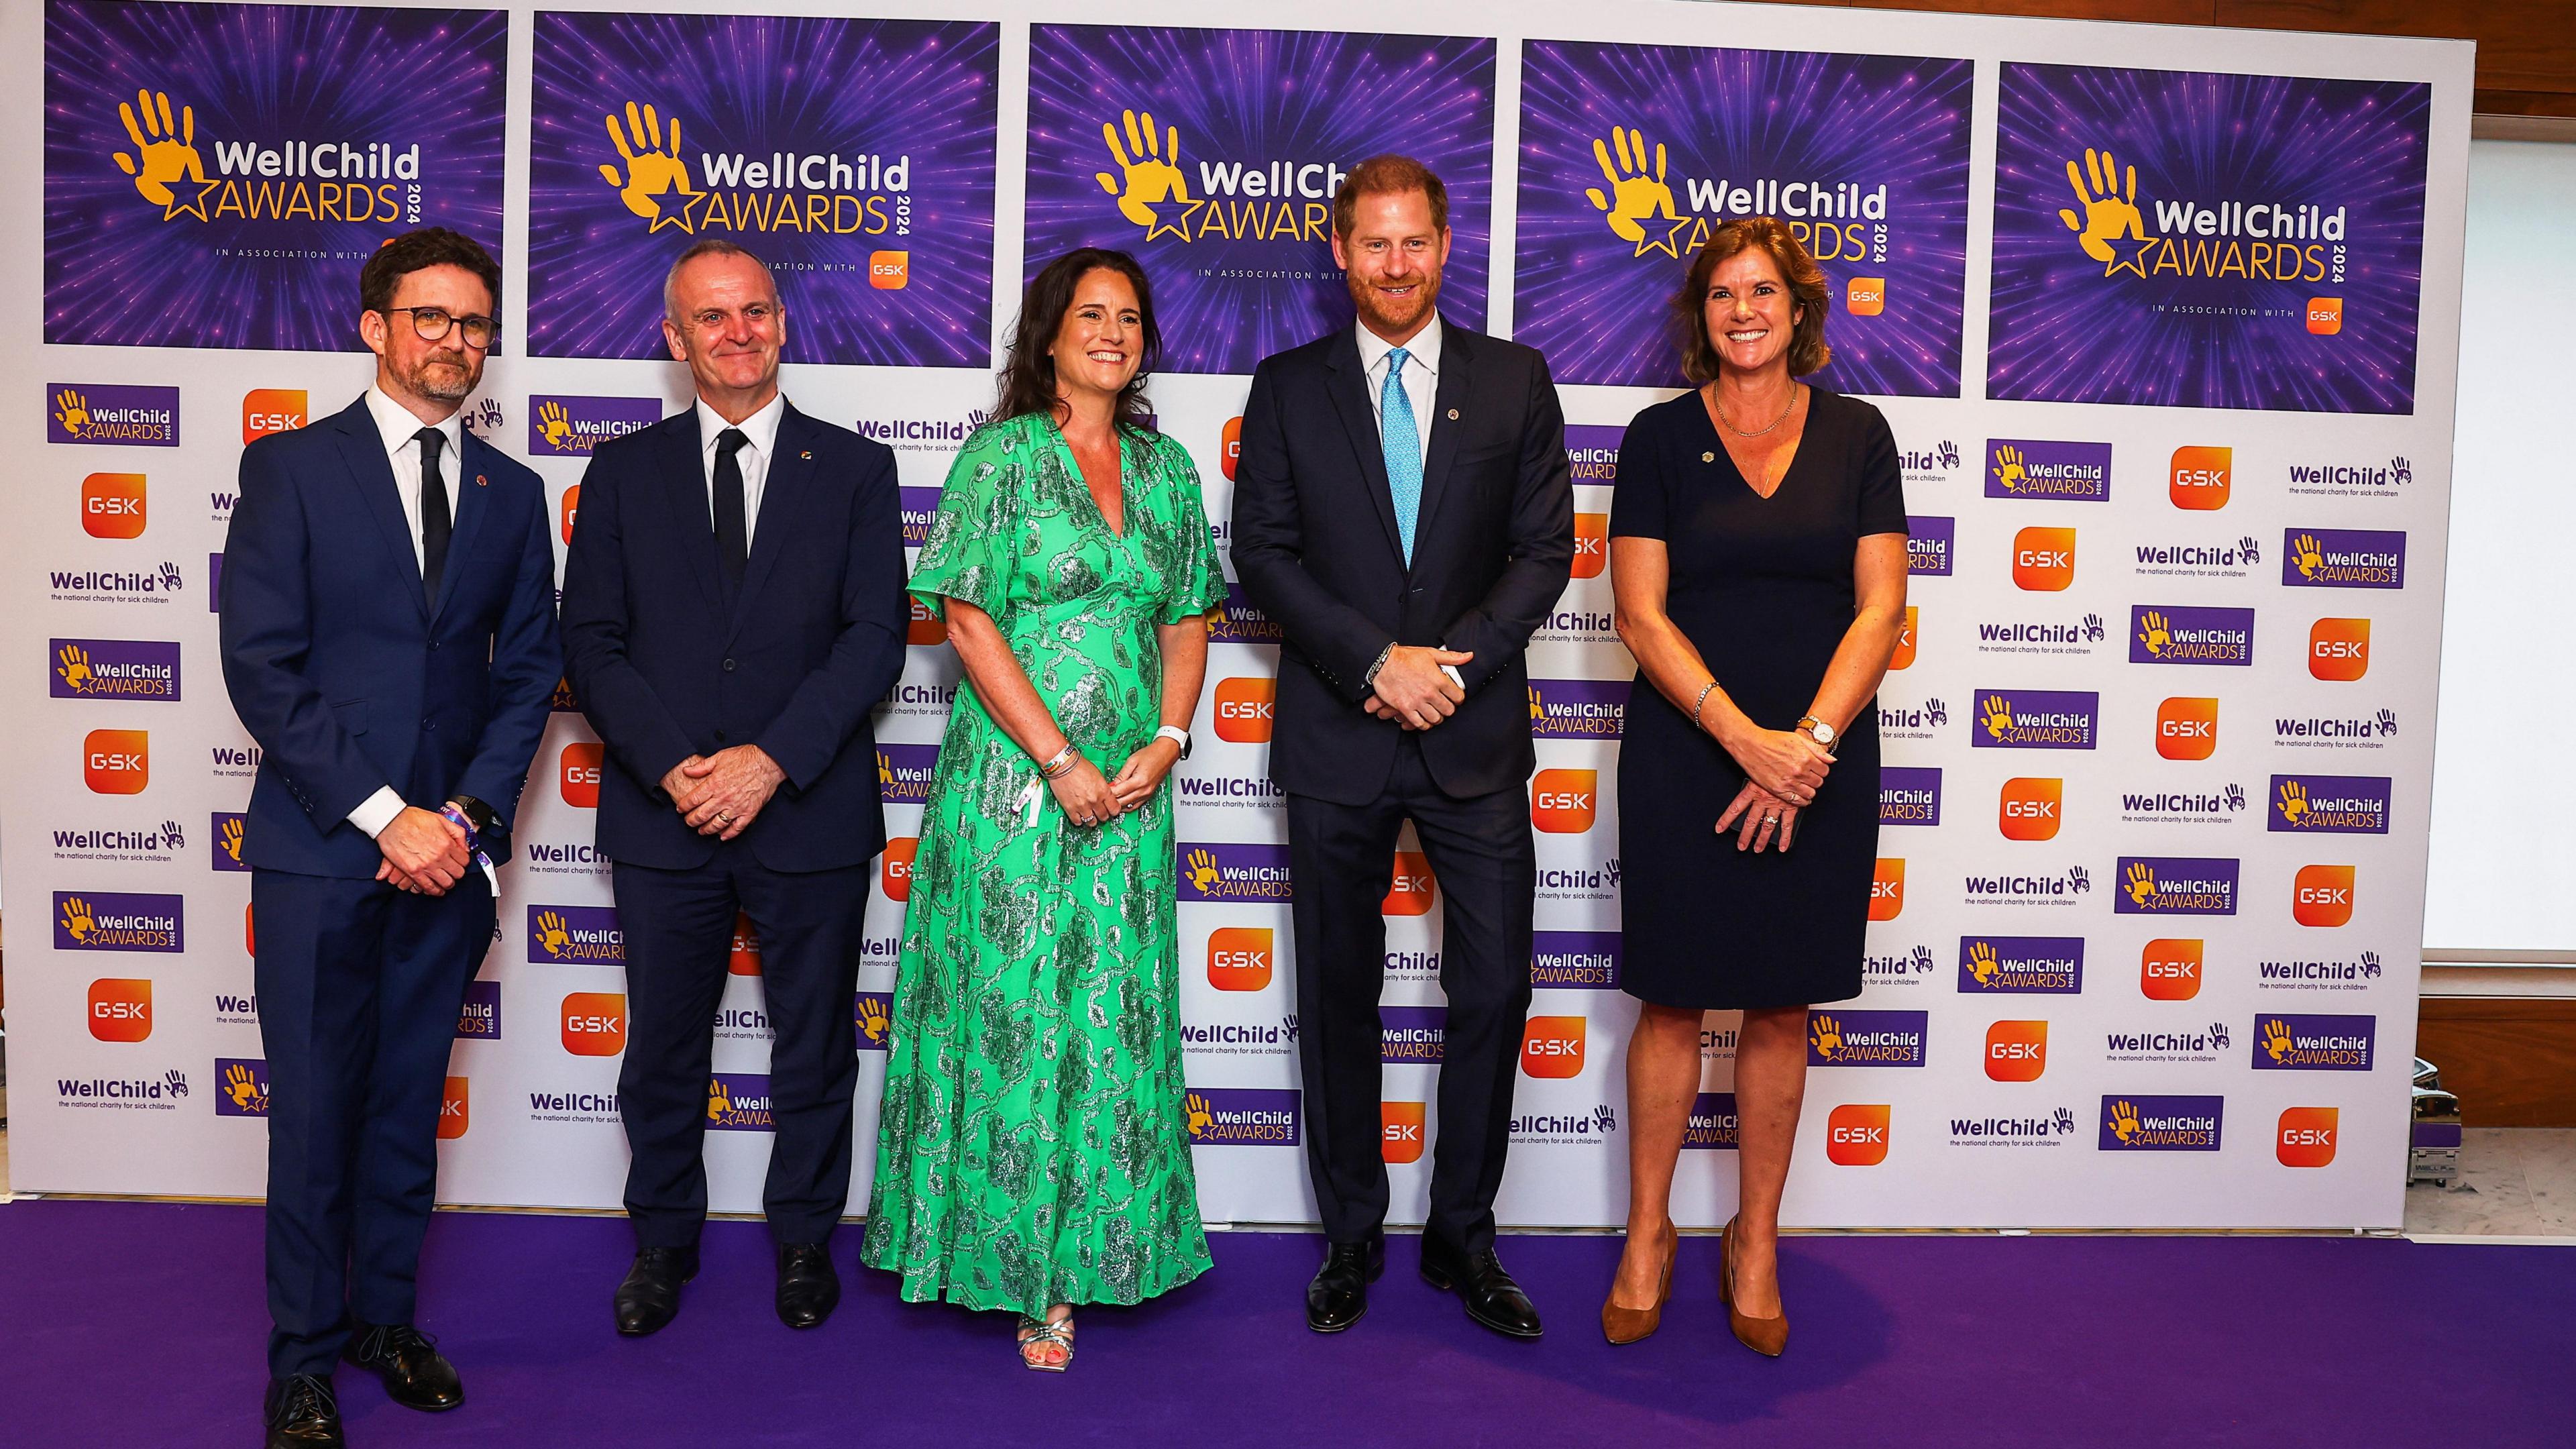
(1342, 858)
(360, 986)
(678, 926)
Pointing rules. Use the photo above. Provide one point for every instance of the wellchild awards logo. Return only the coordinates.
(119, 921)
(2330, 804)
(2183, 634)
(2343, 558)
(2031, 468)
(2163, 885)
(564, 425)
(112, 413)
(2161, 1124)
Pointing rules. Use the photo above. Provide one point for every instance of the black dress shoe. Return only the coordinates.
(1492, 1298)
(416, 1374)
(302, 1413)
(808, 1288)
(650, 1296)
(1339, 1294)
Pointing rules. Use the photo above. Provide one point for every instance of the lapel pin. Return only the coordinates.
(807, 455)
(1708, 457)
(1453, 415)
(479, 481)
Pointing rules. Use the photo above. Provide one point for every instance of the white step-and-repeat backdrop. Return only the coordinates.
(2164, 320)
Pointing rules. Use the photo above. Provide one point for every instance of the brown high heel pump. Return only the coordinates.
(1765, 1336)
(1628, 1325)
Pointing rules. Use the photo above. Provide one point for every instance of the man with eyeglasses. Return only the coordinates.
(733, 608)
(388, 632)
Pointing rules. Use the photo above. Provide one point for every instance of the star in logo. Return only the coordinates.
(1674, 241)
(2130, 254)
(196, 207)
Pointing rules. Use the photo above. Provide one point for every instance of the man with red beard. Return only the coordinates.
(1404, 510)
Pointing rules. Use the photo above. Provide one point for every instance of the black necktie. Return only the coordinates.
(436, 526)
(732, 537)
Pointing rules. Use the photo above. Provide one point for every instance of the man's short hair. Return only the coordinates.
(419, 250)
(711, 247)
(1388, 175)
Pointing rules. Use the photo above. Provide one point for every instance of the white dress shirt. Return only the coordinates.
(753, 457)
(400, 432)
(1421, 377)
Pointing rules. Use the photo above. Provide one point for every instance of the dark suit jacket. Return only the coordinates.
(342, 671)
(665, 670)
(1315, 542)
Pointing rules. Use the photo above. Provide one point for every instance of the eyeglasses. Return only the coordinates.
(432, 323)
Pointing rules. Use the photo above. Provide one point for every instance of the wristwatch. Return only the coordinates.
(1177, 736)
(1819, 731)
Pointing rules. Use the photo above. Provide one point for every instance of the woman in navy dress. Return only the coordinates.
(1757, 554)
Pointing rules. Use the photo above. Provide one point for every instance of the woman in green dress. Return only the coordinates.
(1032, 1152)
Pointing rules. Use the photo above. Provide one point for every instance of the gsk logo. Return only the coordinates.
(1906, 636)
(1239, 958)
(2325, 315)
(2169, 969)
(2031, 808)
(926, 628)
(1245, 707)
(594, 1023)
(2043, 559)
(1229, 446)
(111, 505)
(894, 868)
(570, 510)
(1866, 296)
(2187, 728)
(578, 774)
(1562, 801)
(742, 953)
(2321, 895)
(2339, 649)
(2307, 1136)
(2017, 1051)
(1887, 889)
(120, 1008)
(1552, 1046)
(267, 410)
(1400, 1127)
(1591, 544)
(889, 271)
(1856, 1134)
(1409, 891)
(455, 1111)
(2201, 477)
(116, 762)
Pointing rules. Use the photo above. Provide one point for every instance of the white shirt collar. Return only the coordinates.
(1423, 349)
(396, 425)
(761, 427)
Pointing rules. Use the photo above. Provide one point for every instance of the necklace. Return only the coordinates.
(1715, 398)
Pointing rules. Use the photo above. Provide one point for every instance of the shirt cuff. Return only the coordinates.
(377, 811)
(1454, 677)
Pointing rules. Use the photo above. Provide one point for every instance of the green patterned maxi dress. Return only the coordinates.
(1032, 1147)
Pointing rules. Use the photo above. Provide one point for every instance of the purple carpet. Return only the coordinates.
(142, 1324)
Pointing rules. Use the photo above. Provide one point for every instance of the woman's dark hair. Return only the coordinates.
(1028, 380)
(1807, 350)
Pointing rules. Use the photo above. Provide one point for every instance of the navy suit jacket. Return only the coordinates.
(1316, 543)
(340, 668)
(666, 670)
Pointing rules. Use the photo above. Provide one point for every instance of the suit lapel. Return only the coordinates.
(362, 447)
(684, 495)
(1347, 381)
(782, 495)
(472, 493)
(1448, 421)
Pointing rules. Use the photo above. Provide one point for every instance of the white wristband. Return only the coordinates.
(1176, 735)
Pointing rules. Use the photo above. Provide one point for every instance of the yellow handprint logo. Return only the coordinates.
(653, 168)
(2109, 213)
(1635, 193)
(2276, 1039)
(551, 935)
(551, 420)
(2153, 633)
(230, 838)
(2305, 553)
(1998, 716)
(2294, 801)
(2124, 1120)
(1202, 871)
(2008, 469)
(243, 1089)
(168, 152)
(77, 921)
(872, 1020)
(1533, 694)
(718, 1103)
(1151, 178)
(1981, 962)
(72, 411)
(73, 661)
(1202, 1121)
(2142, 882)
(1827, 1035)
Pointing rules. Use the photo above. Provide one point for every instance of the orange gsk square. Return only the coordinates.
(2322, 895)
(2169, 969)
(120, 1008)
(1887, 889)
(742, 957)
(1591, 544)
(594, 1023)
(2187, 728)
(894, 868)
(2307, 1136)
(453, 1112)
(1408, 893)
(1865, 296)
(267, 410)
(926, 627)
(1401, 1126)
(572, 510)
(117, 762)
(2201, 477)
(1239, 958)
(1562, 802)
(2031, 808)
(2016, 1051)
(2043, 559)
(579, 773)
(111, 505)
(1552, 1046)
(889, 271)
(1906, 635)
(1229, 449)
(2325, 315)
(1856, 1134)
(2339, 649)
(1244, 708)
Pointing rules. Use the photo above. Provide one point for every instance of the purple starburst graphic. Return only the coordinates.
(853, 156)
(1631, 153)
(215, 175)
(1235, 230)
(2251, 241)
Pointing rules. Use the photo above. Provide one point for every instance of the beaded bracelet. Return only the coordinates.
(1061, 763)
(1697, 703)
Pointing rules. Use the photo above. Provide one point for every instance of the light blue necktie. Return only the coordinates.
(1403, 443)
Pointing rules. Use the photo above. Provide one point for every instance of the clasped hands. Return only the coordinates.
(1091, 798)
(424, 852)
(721, 794)
(1413, 689)
(1783, 769)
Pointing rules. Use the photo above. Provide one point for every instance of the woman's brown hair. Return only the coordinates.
(1807, 350)
(1028, 381)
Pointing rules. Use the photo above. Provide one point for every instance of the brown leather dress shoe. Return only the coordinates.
(1628, 1325)
(1765, 1336)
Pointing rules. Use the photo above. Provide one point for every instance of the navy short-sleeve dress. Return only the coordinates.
(1763, 588)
